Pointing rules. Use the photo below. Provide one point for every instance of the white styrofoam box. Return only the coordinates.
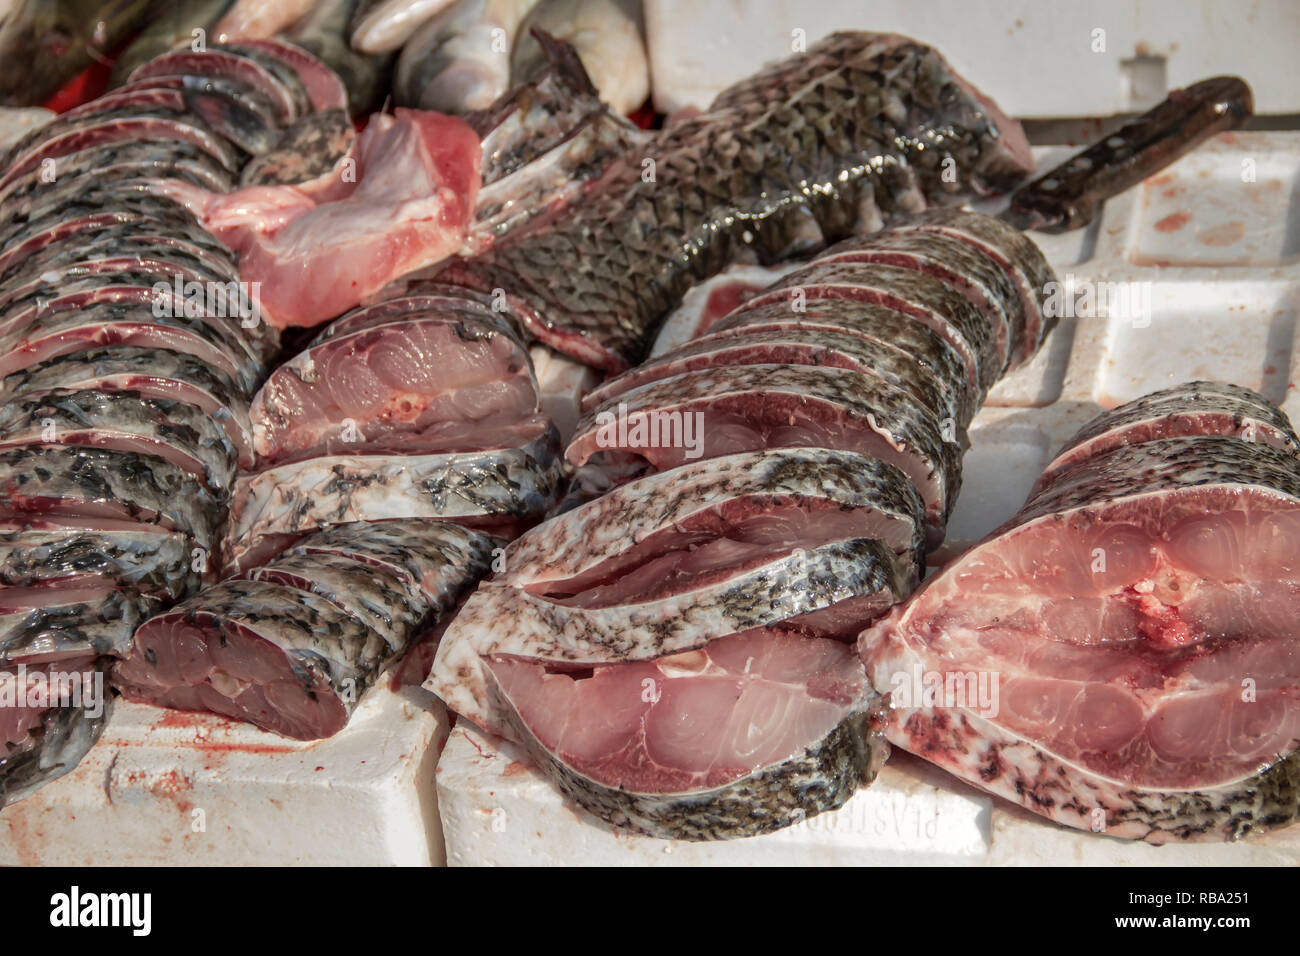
(499, 811)
(561, 383)
(1036, 58)
(167, 787)
(1214, 242)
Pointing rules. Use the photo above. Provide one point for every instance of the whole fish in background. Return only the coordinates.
(459, 61)
(171, 24)
(324, 32)
(45, 43)
(607, 36)
(381, 26)
(260, 18)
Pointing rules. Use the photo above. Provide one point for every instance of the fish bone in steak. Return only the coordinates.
(1139, 615)
(292, 645)
(845, 138)
(801, 538)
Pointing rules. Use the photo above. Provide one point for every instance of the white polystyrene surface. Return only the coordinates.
(1036, 58)
(1222, 257)
(170, 787)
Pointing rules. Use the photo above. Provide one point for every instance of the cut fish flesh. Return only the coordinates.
(752, 733)
(294, 645)
(1138, 616)
(801, 538)
(498, 487)
(394, 382)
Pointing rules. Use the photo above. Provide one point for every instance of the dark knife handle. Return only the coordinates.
(1068, 197)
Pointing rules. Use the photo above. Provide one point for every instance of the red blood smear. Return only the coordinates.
(88, 85)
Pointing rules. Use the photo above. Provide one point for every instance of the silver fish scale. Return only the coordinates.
(440, 558)
(62, 631)
(921, 292)
(97, 476)
(377, 599)
(145, 560)
(581, 538)
(943, 364)
(1164, 465)
(864, 398)
(164, 422)
(742, 180)
(1190, 398)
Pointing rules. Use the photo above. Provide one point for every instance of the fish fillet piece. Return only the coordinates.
(502, 484)
(142, 557)
(397, 380)
(294, 645)
(545, 143)
(925, 298)
(127, 422)
(1015, 253)
(750, 734)
(874, 116)
(41, 481)
(806, 538)
(719, 411)
(1138, 616)
(404, 203)
(150, 373)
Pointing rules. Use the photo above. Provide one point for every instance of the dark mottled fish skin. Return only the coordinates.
(868, 400)
(83, 256)
(1192, 408)
(820, 779)
(171, 25)
(113, 203)
(1018, 256)
(944, 366)
(438, 558)
(159, 263)
(374, 597)
(217, 341)
(147, 159)
(231, 64)
(307, 150)
(284, 73)
(323, 32)
(964, 268)
(595, 283)
(159, 222)
(123, 368)
(326, 649)
(121, 126)
(240, 118)
(44, 43)
(145, 560)
(544, 142)
(802, 346)
(34, 480)
(947, 311)
(572, 543)
(63, 631)
(66, 736)
(93, 419)
(515, 484)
